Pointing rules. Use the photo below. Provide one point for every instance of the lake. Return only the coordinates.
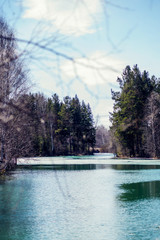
(81, 202)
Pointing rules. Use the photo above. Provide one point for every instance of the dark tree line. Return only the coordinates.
(136, 115)
(31, 124)
(58, 127)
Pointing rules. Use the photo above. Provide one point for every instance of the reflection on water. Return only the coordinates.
(78, 167)
(140, 190)
(135, 167)
(68, 167)
(81, 202)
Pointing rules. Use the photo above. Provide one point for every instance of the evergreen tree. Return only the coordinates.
(128, 114)
(75, 124)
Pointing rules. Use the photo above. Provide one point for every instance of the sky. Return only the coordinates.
(84, 45)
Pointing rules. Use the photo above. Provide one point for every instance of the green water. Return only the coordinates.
(91, 202)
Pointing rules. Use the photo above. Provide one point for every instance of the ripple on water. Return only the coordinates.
(108, 203)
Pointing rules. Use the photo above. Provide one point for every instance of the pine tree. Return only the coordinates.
(127, 117)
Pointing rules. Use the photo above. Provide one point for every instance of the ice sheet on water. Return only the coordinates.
(93, 159)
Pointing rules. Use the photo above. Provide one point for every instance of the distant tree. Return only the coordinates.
(64, 126)
(89, 131)
(49, 122)
(151, 125)
(102, 136)
(75, 123)
(59, 127)
(103, 139)
(127, 117)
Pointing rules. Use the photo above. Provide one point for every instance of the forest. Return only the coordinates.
(135, 129)
(32, 124)
(55, 127)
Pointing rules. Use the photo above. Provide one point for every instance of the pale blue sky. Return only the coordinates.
(102, 36)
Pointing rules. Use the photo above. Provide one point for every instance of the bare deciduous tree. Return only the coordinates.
(13, 83)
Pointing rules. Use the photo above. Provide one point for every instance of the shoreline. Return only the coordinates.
(49, 161)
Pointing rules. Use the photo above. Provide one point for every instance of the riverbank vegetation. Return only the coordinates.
(13, 83)
(32, 124)
(103, 140)
(57, 127)
(135, 119)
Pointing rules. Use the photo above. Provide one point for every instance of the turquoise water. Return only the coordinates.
(87, 202)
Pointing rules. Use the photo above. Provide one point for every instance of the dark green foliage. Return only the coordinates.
(130, 122)
(60, 127)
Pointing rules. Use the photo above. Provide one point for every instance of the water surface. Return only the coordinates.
(81, 202)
